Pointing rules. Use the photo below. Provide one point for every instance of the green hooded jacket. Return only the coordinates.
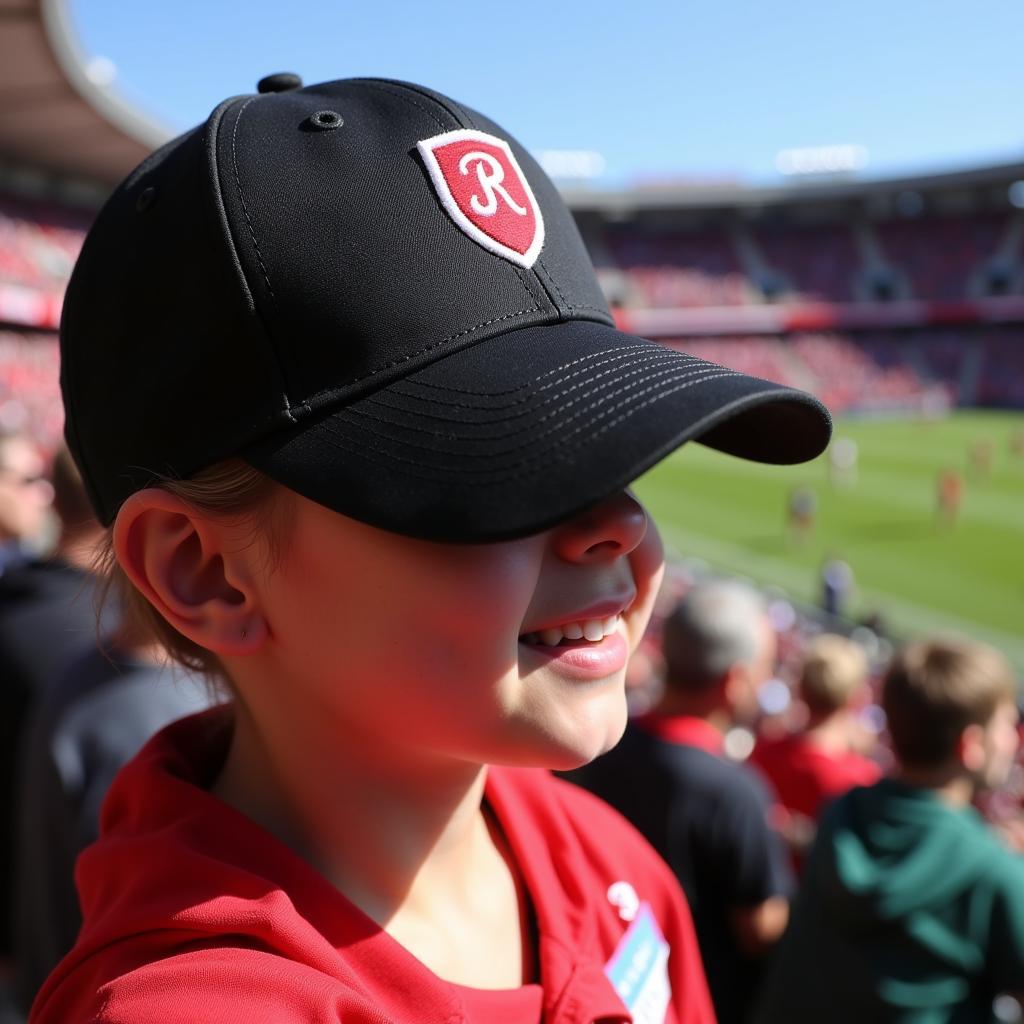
(910, 911)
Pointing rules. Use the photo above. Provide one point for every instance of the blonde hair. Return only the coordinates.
(834, 669)
(934, 689)
(229, 490)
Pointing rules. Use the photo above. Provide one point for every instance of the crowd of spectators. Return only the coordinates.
(929, 258)
(1001, 377)
(939, 255)
(678, 270)
(847, 376)
(29, 386)
(818, 262)
(38, 242)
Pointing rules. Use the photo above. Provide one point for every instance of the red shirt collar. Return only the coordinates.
(165, 782)
(684, 729)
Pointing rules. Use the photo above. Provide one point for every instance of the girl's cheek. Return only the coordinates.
(647, 563)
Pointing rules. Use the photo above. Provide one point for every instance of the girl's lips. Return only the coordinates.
(581, 659)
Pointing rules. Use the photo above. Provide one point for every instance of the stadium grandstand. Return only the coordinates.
(65, 140)
(877, 295)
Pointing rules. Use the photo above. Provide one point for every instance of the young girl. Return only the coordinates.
(339, 376)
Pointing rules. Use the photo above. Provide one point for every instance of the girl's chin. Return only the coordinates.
(585, 745)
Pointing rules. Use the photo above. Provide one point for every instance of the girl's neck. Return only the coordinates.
(411, 822)
(409, 845)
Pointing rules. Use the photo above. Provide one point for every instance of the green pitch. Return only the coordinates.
(922, 575)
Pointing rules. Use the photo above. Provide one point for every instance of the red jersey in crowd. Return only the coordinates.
(805, 776)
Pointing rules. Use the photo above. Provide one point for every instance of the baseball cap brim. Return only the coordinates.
(522, 431)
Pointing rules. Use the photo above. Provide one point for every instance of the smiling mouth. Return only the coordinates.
(586, 631)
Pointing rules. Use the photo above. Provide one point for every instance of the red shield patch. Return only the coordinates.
(481, 185)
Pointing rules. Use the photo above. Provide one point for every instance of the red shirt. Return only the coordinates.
(805, 777)
(193, 914)
(688, 730)
(505, 1006)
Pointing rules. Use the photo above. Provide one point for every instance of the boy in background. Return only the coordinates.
(911, 909)
(812, 767)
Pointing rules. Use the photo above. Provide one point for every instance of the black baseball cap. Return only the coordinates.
(376, 296)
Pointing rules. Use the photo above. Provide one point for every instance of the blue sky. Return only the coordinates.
(688, 90)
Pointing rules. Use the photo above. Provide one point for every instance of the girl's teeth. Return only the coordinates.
(592, 630)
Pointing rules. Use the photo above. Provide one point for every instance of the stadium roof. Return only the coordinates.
(56, 115)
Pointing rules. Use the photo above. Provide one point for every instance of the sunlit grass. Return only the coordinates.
(920, 574)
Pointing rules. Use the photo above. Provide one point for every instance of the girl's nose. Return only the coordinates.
(604, 532)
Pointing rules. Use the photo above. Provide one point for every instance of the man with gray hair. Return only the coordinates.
(719, 631)
(706, 814)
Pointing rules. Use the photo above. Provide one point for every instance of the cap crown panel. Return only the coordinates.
(356, 268)
(145, 362)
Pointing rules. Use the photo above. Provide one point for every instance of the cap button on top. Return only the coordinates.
(283, 81)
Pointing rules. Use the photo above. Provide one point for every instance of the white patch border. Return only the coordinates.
(427, 147)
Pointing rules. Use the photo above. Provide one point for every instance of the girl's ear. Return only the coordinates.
(191, 572)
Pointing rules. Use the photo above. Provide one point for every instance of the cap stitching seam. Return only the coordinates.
(621, 352)
(570, 307)
(553, 450)
(241, 198)
(412, 355)
(563, 443)
(521, 274)
(557, 409)
(399, 94)
(376, 399)
(548, 275)
(486, 323)
(400, 89)
(288, 410)
(593, 309)
(454, 110)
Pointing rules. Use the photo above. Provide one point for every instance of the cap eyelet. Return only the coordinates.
(325, 120)
(147, 197)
